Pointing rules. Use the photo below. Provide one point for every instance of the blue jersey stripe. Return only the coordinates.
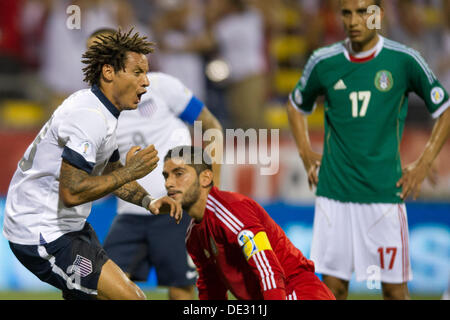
(77, 160)
(115, 156)
(192, 110)
(104, 100)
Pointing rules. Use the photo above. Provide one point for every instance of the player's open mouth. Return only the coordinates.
(139, 95)
(173, 193)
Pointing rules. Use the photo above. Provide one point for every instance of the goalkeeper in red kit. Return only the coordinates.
(234, 243)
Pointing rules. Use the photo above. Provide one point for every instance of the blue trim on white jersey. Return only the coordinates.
(192, 110)
(115, 156)
(108, 104)
(77, 160)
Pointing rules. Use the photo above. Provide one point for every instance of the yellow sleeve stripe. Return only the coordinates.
(256, 244)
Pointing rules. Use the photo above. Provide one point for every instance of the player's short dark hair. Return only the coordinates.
(112, 48)
(378, 2)
(195, 157)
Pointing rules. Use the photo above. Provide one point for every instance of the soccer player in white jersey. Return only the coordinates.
(360, 221)
(73, 161)
(137, 241)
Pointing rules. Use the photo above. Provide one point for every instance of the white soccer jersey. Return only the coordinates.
(82, 131)
(158, 120)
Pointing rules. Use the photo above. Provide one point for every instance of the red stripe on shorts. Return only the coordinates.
(404, 243)
(405, 225)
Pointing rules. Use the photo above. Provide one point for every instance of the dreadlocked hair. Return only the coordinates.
(112, 49)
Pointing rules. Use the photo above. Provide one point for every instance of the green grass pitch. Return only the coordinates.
(161, 294)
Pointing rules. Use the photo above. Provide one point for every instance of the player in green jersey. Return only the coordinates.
(360, 222)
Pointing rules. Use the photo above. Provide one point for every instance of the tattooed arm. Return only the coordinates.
(132, 191)
(77, 186)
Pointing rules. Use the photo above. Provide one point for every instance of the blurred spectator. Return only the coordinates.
(10, 32)
(238, 33)
(15, 84)
(11, 44)
(265, 48)
(288, 42)
(331, 25)
(180, 22)
(443, 63)
(146, 11)
(63, 47)
(32, 21)
(411, 29)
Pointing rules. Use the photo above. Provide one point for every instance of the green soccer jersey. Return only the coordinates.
(365, 110)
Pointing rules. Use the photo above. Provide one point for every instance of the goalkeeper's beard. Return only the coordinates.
(191, 196)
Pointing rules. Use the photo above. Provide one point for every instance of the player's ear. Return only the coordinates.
(206, 178)
(382, 13)
(108, 72)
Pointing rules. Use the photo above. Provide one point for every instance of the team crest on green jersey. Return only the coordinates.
(384, 81)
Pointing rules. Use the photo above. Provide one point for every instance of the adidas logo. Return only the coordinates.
(340, 85)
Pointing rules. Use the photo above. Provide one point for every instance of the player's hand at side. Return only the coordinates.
(166, 205)
(433, 176)
(412, 178)
(312, 163)
(141, 162)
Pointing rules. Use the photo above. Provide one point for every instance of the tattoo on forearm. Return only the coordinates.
(131, 192)
(85, 188)
(72, 177)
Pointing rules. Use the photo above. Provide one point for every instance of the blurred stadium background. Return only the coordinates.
(40, 65)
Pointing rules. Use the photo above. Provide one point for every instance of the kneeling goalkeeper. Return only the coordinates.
(233, 242)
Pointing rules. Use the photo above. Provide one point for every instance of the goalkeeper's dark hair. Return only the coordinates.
(195, 157)
(111, 48)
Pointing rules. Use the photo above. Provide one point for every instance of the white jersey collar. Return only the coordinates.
(348, 50)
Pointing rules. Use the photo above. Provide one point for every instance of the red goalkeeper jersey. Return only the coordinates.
(238, 247)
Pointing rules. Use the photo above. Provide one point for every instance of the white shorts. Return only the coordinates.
(370, 239)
